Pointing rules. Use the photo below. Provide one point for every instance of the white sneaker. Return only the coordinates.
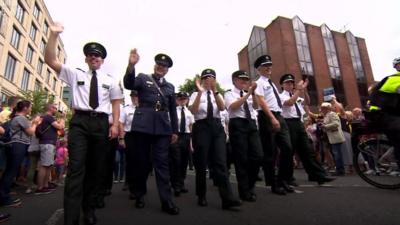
(394, 173)
(28, 191)
(369, 172)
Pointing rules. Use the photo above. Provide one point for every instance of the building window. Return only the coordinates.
(19, 13)
(29, 54)
(334, 70)
(36, 11)
(16, 35)
(48, 77)
(303, 50)
(45, 28)
(38, 85)
(257, 47)
(357, 66)
(25, 80)
(42, 46)
(1, 17)
(10, 68)
(54, 83)
(39, 67)
(32, 32)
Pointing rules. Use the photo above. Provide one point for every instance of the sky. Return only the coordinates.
(200, 34)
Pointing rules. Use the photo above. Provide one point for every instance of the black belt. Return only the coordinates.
(156, 106)
(91, 113)
(292, 119)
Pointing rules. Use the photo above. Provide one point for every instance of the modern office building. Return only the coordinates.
(24, 31)
(329, 59)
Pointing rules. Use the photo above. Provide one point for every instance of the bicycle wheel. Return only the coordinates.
(375, 163)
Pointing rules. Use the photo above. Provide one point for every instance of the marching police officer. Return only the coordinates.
(95, 93)
(155, 127)
(273, 129)
(244, 137)
(292, 111)
(209, 140)
(179, 151)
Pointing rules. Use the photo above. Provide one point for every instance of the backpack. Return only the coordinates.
(5, 139)
(41, 129)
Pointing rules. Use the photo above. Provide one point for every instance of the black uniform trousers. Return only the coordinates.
(109, 176)
(179, 158)
(149, 148)
(270, 141)
(209, 145)
(88, 144)
(247, 153)
(130, 154)
(301, 146)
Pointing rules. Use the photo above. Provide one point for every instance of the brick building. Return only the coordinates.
(328, 58)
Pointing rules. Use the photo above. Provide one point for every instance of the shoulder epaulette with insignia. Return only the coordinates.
(109, 75)
(81, 70)
(228, 90)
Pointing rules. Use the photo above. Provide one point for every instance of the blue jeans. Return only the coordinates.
(337, 152)
(15, 156)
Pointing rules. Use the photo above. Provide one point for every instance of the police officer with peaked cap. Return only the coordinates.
(273, 129)
(209, 140)
(155, 126)
(96, 95)
(292, 111)
(179, 151)
(245, 140)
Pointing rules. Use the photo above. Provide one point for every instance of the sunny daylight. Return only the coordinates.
(203, 112)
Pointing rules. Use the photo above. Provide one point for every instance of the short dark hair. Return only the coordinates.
(12, 101)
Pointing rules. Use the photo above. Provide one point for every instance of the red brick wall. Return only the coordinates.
(244, 60)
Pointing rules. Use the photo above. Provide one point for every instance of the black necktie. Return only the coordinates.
(183, 121)
(297, 107)
(246, 107)
(276, 94)
(209, 106)
(93, 94)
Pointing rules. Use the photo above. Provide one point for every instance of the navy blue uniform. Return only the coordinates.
(154, 121)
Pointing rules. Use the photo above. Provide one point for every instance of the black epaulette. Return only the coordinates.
(228, 90)
(109, 75)
(81, 70)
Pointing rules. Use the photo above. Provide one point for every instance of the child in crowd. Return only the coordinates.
(61, 161)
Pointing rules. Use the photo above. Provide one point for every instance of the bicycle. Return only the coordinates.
(374, 159)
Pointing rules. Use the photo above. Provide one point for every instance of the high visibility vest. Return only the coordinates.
(385, 95)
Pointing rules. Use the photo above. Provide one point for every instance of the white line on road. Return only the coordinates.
(55, 217)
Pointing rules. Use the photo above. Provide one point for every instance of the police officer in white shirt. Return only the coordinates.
(273, 129)
(127, 136)
(96, 95)
(244, 137)
(209, 140)
(293, 112)
(179, 151)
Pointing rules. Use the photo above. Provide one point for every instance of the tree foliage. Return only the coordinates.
(189, 86)
(39, 99)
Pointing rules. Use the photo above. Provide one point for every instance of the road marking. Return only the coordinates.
(55, 217)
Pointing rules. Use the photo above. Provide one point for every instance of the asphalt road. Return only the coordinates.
(348, 200)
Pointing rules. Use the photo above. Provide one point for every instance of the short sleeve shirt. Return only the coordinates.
(18, 126)
(234, 95)
(202, 113)
(50, 135)
(79, 81)
(189, 118)
(290, 111)
(126, 117)
(265, 89)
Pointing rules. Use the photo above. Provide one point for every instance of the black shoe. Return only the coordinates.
(184, 190)
(338, 174)
(100, 203)
(228, 204)
(202, 201)
(139, 202)
(325, 179)
(292, 183)
(170, 208)
(89, 217)
(177, 193)
(287, 188)
(278, 190)
(249, 197)
(132, 196)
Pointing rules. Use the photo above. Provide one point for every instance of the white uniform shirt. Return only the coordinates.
(265, 89)
(79, 81)
(290, 111)
(126, 117)
(234, 95)
(189, 118)
(202, 113)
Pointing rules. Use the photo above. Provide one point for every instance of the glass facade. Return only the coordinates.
(257, 47)
(333, 63)
(303, 50)
(358, 67)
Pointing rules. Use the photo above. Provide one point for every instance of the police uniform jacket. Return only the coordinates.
(148, 119)
(79, 81)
